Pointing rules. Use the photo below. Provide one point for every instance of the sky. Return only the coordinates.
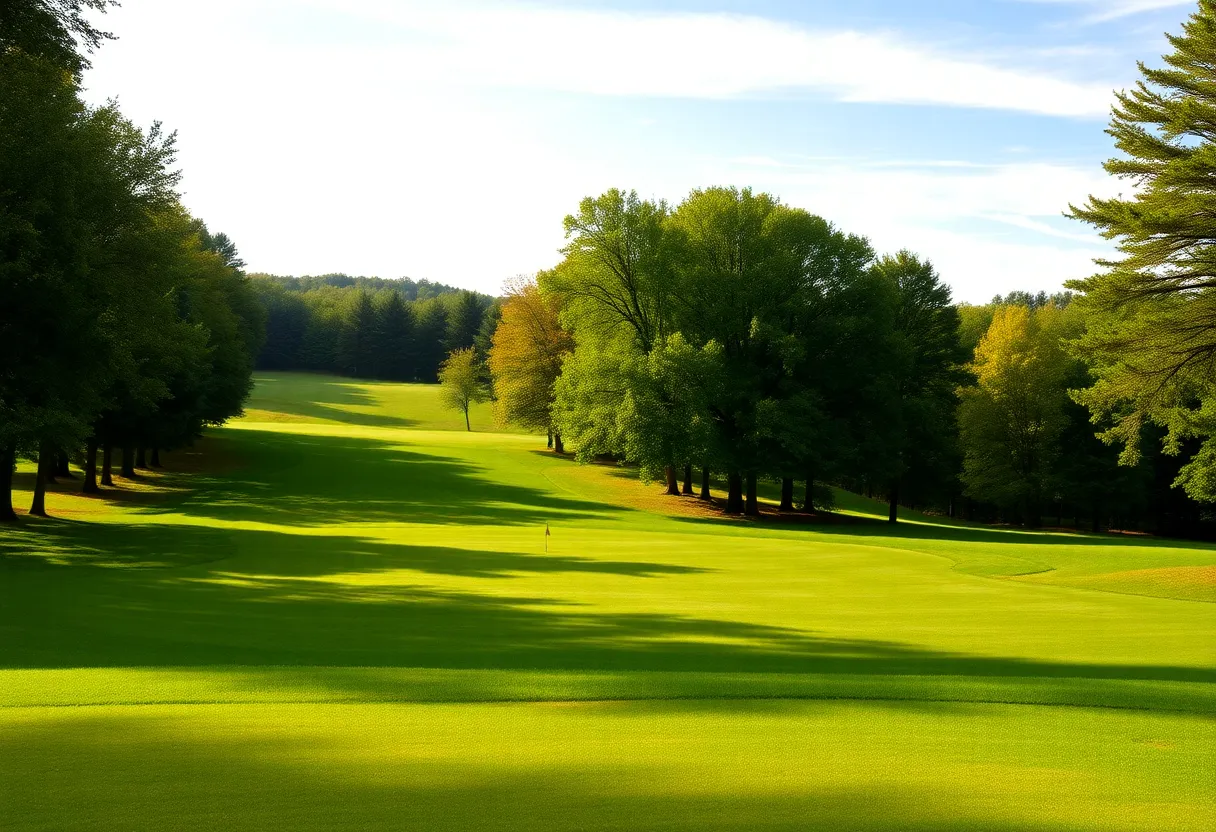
(447, 140)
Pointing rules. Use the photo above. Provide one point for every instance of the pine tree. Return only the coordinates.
(394, 337)
(1152, 334)
(464, 321)
(355, 346)
(925, 374)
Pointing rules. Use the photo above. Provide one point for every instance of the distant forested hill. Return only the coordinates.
(409, 289)
(369, 327)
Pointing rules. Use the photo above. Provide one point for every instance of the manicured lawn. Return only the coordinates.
(339, 613)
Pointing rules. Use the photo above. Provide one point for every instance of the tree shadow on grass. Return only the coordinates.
(256, 769)
(867, 527)
(327, 397)
(309, 480)
(289, 599)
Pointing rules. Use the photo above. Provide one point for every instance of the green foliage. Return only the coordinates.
(926, 371)
(58, 31)
(649, 408)
(464, 320)
(356, 339)
(1011, 421)
(462, 382)
(432, 328)
(133, 324)
(616, 272)
(367, 327)
(525, 357)
(1151, 338)
(408, 289)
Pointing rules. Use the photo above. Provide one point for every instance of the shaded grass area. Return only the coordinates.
(602, 766)
(375, 633)
(212, 611)
(250, 684)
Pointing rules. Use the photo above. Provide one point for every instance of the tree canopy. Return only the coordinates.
(133, 325)
(461, 382)
(1151, 338)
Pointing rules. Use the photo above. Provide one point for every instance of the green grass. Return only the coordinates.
(338, 613)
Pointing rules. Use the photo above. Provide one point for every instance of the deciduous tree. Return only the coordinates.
(461, 382)
(525, 358)
(1011, 420)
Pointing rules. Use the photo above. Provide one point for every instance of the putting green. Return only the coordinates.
(339, 612)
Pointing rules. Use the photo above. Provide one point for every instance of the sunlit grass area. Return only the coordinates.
(340, 612)
(318, 399)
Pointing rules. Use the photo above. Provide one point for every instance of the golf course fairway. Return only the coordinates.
(343, 612)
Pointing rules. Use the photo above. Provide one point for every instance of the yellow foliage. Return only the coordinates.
(526, 356)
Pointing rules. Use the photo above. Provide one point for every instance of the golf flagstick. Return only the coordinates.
(546, 537)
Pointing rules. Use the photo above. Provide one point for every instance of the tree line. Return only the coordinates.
(734, 334)
(739, 339)
(393, 330)
(126, 326)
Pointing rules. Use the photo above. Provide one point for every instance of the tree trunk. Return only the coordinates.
(704, 495)
(549, 443)
(467, 426)
(752, 508)
(107, 465)
(61, 466)
(787, 494)
(1034, 513)
(893, 503)
(558, 447)
(46, 464)
(90, 468)
(673, 481)
(8, 458)
(734, 493)
(128, 462)
(156, 458)
(808, 502)
(141, 458)
(687, 489)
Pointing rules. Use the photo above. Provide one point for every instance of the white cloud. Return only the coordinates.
(1107, 10)
(953, 216)
(701, 55)
(318, 153)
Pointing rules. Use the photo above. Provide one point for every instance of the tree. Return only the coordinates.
(730, 289)
(1011, 420)
(464, 321)
(287, 320)
(489, 325)
(358, 333)
(779, 291)
(1151, 339)
(431, 327)
(54, 30)
(615, 273)
(80, 185)
(393, 342)
(925, 374)
(461, 382)
(525, 358)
